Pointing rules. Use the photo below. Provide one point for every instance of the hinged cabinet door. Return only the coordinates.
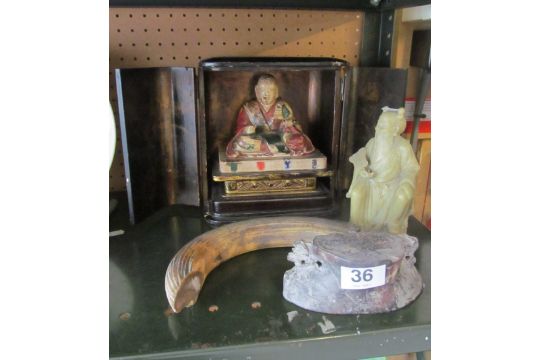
(369, 90)
(159, 140)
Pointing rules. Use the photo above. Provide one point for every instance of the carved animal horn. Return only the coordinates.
(194, 261)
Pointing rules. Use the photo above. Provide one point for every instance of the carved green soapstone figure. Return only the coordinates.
(384, 178)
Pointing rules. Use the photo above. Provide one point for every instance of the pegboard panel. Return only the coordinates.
(153, 37)
(163, 37)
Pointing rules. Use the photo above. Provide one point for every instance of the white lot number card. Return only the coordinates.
(362, 278)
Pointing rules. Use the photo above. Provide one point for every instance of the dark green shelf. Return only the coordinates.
(276, 4)
(139, 259)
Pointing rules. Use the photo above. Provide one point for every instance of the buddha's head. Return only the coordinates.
(266, 90)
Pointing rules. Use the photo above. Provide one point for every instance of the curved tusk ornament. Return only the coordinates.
(191, 265)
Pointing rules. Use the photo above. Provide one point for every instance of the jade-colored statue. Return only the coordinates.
(266, 127)
(384, 179)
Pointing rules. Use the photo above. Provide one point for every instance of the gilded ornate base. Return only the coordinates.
(243, 195)
(263, 186)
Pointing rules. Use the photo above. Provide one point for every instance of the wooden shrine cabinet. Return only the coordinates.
(313, 88)
(174, 120)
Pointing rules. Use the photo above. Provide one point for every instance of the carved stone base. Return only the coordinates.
(315, 282)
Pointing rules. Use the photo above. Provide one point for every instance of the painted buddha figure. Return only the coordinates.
(266, 126)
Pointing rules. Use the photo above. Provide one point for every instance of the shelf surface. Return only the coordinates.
(142, 326)
(300, 4)
(276, 4)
